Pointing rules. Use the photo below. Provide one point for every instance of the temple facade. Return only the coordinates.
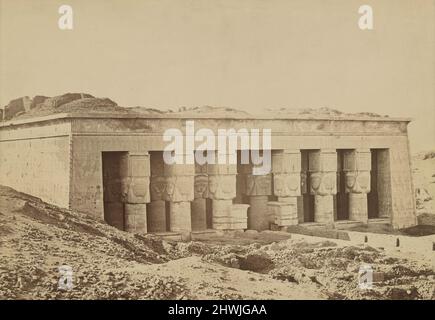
(324, 171)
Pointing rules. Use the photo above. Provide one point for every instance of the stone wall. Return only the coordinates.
(36, 160)
(403, 201)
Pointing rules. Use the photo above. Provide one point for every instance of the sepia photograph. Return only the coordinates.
(217, 154)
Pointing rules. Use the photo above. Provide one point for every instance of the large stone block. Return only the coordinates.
(229, 216)
(284, 213)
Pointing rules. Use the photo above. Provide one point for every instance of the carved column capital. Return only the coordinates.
(135, 172)
(222, 187)
(357, 166)
(358, 181)
(201, 186)
(323, 183)
(221, 181)
(179, 182)
(323, 172)
(287, 184)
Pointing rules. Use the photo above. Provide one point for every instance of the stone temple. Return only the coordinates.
(326, 170)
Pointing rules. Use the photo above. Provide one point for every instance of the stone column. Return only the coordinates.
(156, 214)
(179, 192)
(286, 168)
(135, 168)
(323, 184)
(222, 191)
(258, 189)
(357, 166)
(199, 205)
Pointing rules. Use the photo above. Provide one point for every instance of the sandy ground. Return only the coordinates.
(37, 238)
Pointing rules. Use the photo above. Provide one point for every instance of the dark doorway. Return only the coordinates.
(341, 198)
(113, 205)
(372, 197)
(167, 215)
(209, 213)
(307, 198)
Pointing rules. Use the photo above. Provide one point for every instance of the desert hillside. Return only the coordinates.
(37, 238)
(423, 169)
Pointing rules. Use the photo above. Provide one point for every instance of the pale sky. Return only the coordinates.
(246, 54)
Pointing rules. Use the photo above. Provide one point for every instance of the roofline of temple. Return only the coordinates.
(56, 116)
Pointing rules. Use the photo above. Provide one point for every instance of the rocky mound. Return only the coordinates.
(26, 107)
(322, 111)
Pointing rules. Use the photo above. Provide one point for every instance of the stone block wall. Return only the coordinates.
(36, 160)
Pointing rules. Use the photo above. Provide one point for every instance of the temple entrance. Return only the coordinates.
(112, 177)
(341, 199)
